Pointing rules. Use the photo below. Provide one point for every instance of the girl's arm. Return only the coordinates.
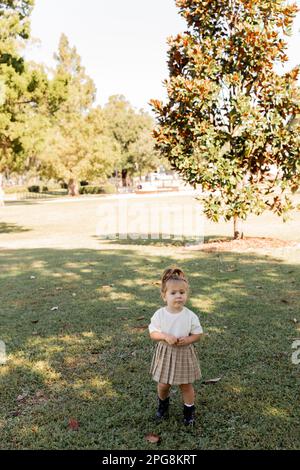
(185, 340)
(158, 336)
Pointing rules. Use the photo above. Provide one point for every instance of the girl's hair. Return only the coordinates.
(172, 274)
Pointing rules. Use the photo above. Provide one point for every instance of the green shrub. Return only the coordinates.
(106, 188)
(34, 189)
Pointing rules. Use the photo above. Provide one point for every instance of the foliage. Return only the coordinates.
(76, 147)
(23, 87)
(230, 118)
(102, 189)
(132, 132)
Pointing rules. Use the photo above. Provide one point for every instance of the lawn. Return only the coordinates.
(73, 315)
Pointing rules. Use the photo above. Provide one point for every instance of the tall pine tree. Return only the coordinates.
(76, 147)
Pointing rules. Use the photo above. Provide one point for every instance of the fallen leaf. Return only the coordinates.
(122, 308)
(140, 318)
(32, 277)
(58, 288)
(73, 424)
(258, 287)
(212, 381)
(153, 438)
(22, 396)
(294, 320)
(54, 308)
(140, 328)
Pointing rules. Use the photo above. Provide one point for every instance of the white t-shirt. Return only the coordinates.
(178, 324)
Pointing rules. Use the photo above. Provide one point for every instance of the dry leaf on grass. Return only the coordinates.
(22, 396)
(73, 424)
(212, 381)
(141, 318)
(140, 328)
(153, 438)
(54, 308)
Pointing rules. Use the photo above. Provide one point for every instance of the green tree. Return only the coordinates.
(76, 146)
(131, 130)
(23, 89)
(228, 117)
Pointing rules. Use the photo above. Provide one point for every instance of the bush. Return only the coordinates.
(84, 183)
(106, 188)
(34, 189)
(45, 189)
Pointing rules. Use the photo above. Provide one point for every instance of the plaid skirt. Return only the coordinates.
(175, 365)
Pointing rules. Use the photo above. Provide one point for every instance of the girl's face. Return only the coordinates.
(175, 295)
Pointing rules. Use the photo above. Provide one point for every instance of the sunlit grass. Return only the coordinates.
(88, 360)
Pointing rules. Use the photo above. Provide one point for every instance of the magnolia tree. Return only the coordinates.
(230, 117)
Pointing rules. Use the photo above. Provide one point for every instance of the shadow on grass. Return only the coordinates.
(74, 323)
(137, 239)
(12, 228)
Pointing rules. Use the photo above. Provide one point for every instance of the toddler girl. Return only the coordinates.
(175, 362)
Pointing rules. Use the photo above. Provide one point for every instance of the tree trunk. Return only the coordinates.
(1, 191)
(237, 228)
(73, 187)
(124, 178)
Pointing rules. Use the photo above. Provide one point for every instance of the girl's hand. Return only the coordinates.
(171, 339)
(184, 341)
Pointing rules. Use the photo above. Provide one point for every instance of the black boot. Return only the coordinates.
(189, 415)
(163, 409)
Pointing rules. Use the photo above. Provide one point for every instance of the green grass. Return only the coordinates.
(89, 360)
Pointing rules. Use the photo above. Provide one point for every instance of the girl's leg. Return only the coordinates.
(163, 401)
(163, 390)
(188, 393)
